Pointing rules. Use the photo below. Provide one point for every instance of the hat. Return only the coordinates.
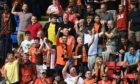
(42, 71)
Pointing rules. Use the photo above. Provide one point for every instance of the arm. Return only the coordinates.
(77, 30)
(64, 71)
(89, 44)
(57, 36)
(77, 79)
(129, 26)
(13, 9)
(125, 60)
(5, 74)
(111, 35)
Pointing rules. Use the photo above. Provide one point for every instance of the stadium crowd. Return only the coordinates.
(83, 42)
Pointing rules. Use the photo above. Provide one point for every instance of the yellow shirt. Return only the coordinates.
(12, 72)
(51, 33)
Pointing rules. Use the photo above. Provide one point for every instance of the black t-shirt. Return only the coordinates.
(134, 17)
(68, 25)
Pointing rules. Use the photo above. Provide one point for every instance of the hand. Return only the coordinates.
(6, 78)
(16, 3)
(102, 21)
(44, 40)
(69, 29)
(80, 74)
(76, 22)
(122, 51)
(32, 82)
(59, 29)
(79, 56)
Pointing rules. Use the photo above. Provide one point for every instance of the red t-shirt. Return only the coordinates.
(34, 28)
(122, 20)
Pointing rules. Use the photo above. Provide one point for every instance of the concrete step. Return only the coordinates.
(44, 18)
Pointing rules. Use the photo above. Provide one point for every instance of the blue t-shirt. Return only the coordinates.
(131, 59)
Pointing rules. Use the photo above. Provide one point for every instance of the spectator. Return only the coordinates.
(26, 43)
(11, 68)
(105, 80)
(121, 23)
(72, 77)
(42, 79)
(99, 68)
(72, 3)
(41, 36)
(80, 28)
(64, 51)
(117, 79)
(80, 56)
(134, 24)
(99, 26)
(35, 53)
(89, 22)
(58, 79)
(34, 27)
(89, 11)
(136, 78)
(89, 79)
(7, 27)
(24, 17)
(111, 35)
(72, 15)
(79, 9)
(27, 70)
(51, 29)
(123, 48)
(91, 39)
(70, 38)
(55, 9)
(67, 24)
(131, 60)
(104, 14)
(49, 55)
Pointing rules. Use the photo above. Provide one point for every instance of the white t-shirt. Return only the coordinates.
(71, 80)
(93, 48)
(53, 8)
(26, 45)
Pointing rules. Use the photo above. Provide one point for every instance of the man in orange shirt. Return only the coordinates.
(35, 52)
(105, 80)
(43, 79)
(64, 51)
(27, 70)
(89, 79)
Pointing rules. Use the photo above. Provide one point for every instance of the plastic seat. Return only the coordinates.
(118, 65)
(110, 65)
(130, 76)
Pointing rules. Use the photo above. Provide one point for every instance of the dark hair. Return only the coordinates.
(135, 3)
(50, 42)
(10, 53)
(37, 38)
(26, 54)
(27, 32)
(53, 16)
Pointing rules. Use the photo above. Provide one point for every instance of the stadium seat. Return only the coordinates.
(130, 76)
(118, 65)
(110, 64)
